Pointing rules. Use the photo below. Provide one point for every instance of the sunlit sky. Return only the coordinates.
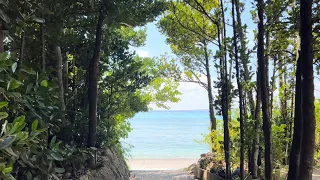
(193, 96)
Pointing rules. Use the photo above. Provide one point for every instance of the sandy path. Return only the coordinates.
(159, 164)
(160, 175)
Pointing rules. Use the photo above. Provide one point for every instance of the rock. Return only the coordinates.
(212, 165)
(192, 167)
(198, 173)
(210, 176)
(203, 155)
(113, 167)
(207, 175)
(195, 172)
(236, 172)
(203, 162)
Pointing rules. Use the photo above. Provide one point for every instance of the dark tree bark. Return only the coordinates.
(309, 122)
(256, 140)
(60, 82)
(239, 83)
(43, 49)
(1, 38)
(213, 121)
(93, 78)
(267, 70)
(225, 96)
(22, 47)
(294, 160)
(264, 93)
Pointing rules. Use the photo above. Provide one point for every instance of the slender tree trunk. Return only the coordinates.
(239, 83)
(225, 97)
(273, 85)
(256, 140)
(309, 123)
(213, 121)
(294, 160)
(264, 93)
(22, 47)
(66, 77)
(60, 82)
(1, 38)
(286, 117)
(267, 70)
(43, 48)
(93, 79)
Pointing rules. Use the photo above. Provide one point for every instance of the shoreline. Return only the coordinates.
(149, 164)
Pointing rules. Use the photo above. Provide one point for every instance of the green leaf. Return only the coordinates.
(52, 142)
(3, 104)
(19, 119)
(44, 83)
(29, 87)
(38, 20)
(10, 151)
(14, 67)
(29, 71)
(59, 170)
(34, 125)
(56, 156)
(6, 142)
(3, 115)
(7, 170)
(3, 56)
(13, 84)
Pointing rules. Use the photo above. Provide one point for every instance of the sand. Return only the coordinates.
(160, 164)
(161, 175)
(160, 169)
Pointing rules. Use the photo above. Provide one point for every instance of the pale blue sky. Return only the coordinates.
(193, 96)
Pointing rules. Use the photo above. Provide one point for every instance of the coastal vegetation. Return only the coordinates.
(69, 80)
(265, 89)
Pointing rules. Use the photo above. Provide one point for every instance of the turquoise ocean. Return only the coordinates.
(168, 134)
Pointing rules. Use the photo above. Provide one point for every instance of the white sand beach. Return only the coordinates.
(160, 164)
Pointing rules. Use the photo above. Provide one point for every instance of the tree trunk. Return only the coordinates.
(267, 70)
(60, 82)
(213, 121)
(294, 160)
(273, 85)
(225, 97)
(43, 49)
(264, 93)
(239, 83)
(309, 123)
(256, 140)
(22, 47)
(65, 78)
(93, 79)
(1, 38)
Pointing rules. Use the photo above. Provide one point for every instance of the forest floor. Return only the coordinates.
(160, 175)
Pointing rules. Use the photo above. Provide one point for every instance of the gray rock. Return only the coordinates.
(203, 162)
(113, 167)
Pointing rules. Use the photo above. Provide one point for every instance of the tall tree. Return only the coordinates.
(93, 77)
(240, 93)
(190, 33)
(294, 160)
(309, 123)
(264, 93)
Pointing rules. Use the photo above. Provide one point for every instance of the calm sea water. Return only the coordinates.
(168, 134)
